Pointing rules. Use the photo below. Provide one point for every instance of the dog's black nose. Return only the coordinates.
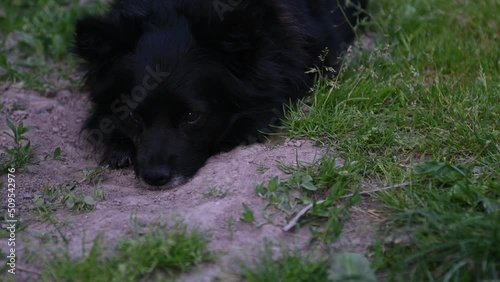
(156, 176)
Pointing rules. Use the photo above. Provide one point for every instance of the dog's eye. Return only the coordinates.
(136, 117)
(192, 117)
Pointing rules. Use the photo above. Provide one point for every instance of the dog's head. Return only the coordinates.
(183, 81)
(175, 120)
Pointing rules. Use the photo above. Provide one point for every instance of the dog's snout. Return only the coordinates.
(156, 176)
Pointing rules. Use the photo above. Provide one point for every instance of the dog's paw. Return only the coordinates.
(117, 158)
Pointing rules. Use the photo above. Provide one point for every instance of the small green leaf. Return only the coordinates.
(273, 184)
(20, 128)
(89, 200)
(57, 153)
(38, 201)
(3, 60)
(351, 267)
(26, 129)
(11, 126)
(248, 215)
(27, 146)
(489, 205)
(309, 186)
(307, 178)
(70, 203)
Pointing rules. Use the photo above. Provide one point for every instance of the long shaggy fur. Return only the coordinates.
(173, 82)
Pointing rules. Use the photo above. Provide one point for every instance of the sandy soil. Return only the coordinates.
(57, 118)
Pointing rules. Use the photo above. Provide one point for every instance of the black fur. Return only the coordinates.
(173, 82)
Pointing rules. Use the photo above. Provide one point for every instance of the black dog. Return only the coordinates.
(175, 81)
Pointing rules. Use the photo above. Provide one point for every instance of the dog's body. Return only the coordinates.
(174, 81)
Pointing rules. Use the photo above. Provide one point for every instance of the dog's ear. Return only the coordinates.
(236, 26)
(98, 38)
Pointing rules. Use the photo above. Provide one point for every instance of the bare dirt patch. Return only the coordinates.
(57, 119)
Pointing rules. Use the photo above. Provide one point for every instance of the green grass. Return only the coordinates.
(423, 108)
(56, 197)
(289, 266)
(22, 153)
(157, 255)
(216, 193)
(294, 266)
(35, 38)
(452, 220)
(321, 184)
